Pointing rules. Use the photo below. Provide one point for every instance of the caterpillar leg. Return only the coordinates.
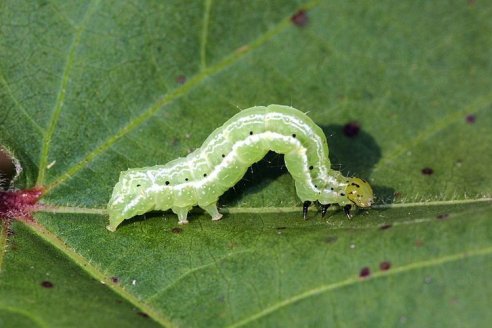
(212, 210)
(346, 210)
(182, 213)
(305, 209)
(324, 208)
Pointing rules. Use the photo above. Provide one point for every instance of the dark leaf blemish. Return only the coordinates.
(176, 230)
(384, 266)
(47, 284)
(351, 129)
(427, 171)
(180, 79)
(385, 226)
(331, 239)
(470, 119)
(115, 279)
(443, 216)
(365, 272)
(143, 314)
(300, 18)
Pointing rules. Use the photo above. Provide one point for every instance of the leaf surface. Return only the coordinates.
(402, 91)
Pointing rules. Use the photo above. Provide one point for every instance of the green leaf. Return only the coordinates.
(90, 88)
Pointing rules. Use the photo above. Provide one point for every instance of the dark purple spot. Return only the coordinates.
(181, 79)
(470, 119)
(472, 2)
(384, 266)
(351, 129)
(365, 272)
(442, 216)
(397, 194)
(143, 314)
(115, 279)
(176, 230)
(419, 243)
(281, 228)
(427, 171)
(300, 18)
(47, 284)
(385, 226)
(331, 239)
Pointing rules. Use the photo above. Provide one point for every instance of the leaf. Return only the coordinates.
(402, 91)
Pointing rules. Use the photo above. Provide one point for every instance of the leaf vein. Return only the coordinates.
(60, 98)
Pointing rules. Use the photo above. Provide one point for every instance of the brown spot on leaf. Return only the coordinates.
(143, 314)
(47, 284)
(331, 239)
(351, 129)
(427, 171)
(442, 216)
(300, 18)
(176, 230)
(470, 119)
(385, 226)
(181, 79)
(365, 272)
(384, 266)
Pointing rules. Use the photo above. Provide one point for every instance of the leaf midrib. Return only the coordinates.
(47, 208)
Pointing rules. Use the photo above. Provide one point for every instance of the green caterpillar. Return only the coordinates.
(205, 174)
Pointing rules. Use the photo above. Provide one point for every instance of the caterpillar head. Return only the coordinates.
(130, 198)
(359, 192)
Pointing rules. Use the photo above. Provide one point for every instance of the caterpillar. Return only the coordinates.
(205, 174)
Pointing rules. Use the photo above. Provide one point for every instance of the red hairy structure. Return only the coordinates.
(19, 204)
